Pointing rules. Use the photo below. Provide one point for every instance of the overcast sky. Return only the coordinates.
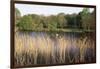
(47, 10)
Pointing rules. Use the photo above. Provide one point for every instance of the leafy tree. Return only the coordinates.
(86, 18)
(52, 23)
(82, 20)
(17, 15)
(37, 22)
(79, 20)
(92, 20)
(44, 21)
(61, 20)
(25, 23)
(72, 21)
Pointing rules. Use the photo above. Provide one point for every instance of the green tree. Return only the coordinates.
(52, 23)
(17, 15)
(37, 22)
(44, 21)
(93, 20)
(79, 20)
(25, 23)
(86, 17)
(72, 21)
(61, 20)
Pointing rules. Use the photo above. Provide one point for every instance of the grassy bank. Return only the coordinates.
(60, 30)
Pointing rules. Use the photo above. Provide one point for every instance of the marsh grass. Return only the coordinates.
(42, 49)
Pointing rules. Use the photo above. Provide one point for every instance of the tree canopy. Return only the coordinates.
(84, 20)
(17, 14)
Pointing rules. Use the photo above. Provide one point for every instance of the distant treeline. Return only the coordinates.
(84, 20)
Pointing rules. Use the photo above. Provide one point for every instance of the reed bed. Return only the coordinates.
(42, 49)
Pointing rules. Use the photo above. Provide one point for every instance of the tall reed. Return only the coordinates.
(42, 49)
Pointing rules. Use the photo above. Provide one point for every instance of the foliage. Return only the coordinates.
(17, 14)
(52, 23)
(84, 20)
(61, 20)
(88, 19)
(25, 23)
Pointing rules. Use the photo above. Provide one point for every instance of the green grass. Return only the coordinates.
(62, 30)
